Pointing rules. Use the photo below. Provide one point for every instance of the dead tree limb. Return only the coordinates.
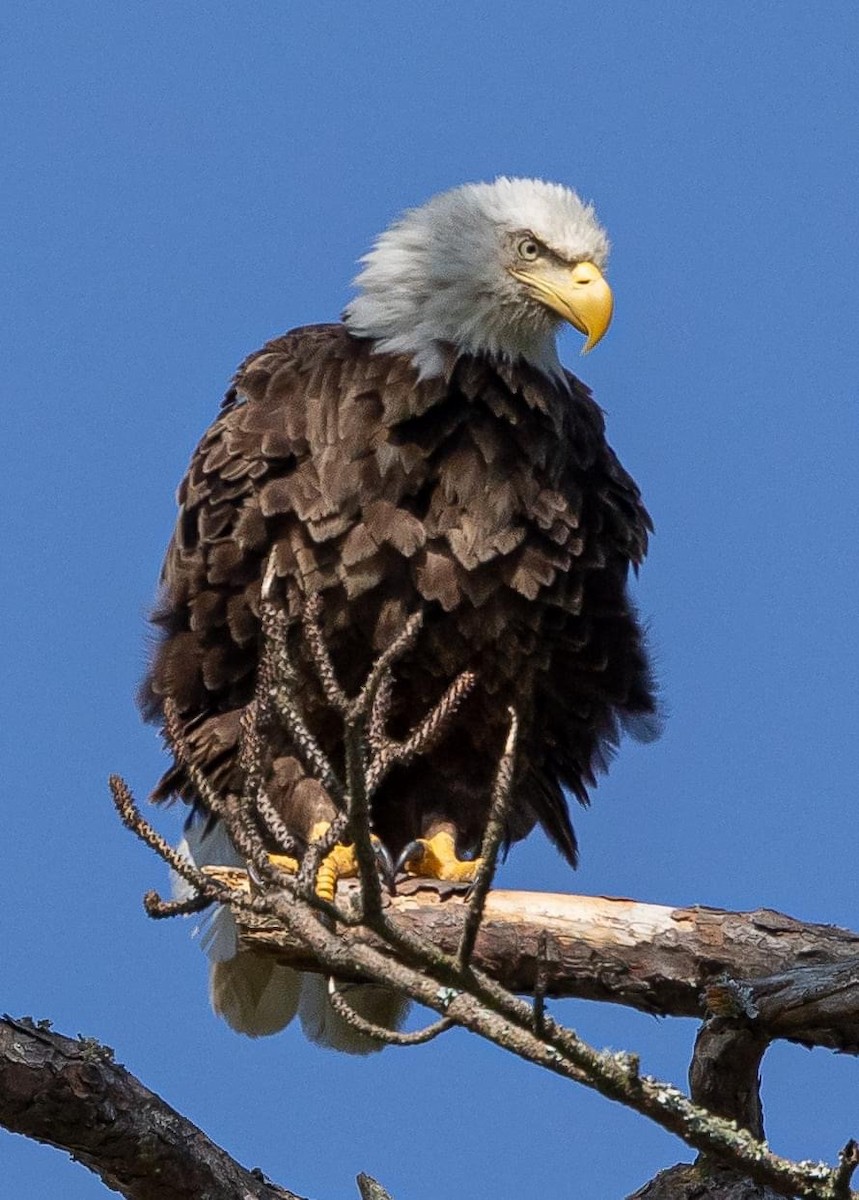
(698, 1182)
(677, 962)
(69, 1093)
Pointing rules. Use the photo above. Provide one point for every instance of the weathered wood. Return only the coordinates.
(700, 1182)
(647, 956)
(723, 1077)
(69, 1093)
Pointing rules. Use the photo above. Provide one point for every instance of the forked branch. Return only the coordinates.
(453, 965)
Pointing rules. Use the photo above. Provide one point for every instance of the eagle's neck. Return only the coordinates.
(433, 350)
(411, 302)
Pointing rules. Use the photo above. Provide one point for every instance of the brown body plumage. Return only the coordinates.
(428, 455)
(487, 497)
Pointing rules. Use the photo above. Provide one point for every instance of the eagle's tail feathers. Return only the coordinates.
(323, 1025)
(254, 995)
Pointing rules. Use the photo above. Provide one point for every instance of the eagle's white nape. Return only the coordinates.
(437, 277)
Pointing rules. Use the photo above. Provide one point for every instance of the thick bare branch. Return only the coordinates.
(559, 1050)
(645, 956)
(70, 1093)
(370, 1189)
(723, 1077)
(702, 1181)
(848, 1161)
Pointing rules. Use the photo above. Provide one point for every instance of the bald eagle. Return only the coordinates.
(429, 452)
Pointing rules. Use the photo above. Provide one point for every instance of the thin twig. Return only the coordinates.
(306, 746)
(401, 644)
(235, 816)
(133, 819)
(280, 679)
(251, 750)
(203, 884)
(377, 739)
(275, 628)
(378, 1033)
(360, 819)
(252, 756)
(493, 839)
(178, 743)
(425, 736)
(315, 639)
(274, 825)
(158, 909)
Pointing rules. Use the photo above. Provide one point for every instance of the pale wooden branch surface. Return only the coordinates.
(647, 956)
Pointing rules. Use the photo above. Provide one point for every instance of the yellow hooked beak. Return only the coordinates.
(579, 294)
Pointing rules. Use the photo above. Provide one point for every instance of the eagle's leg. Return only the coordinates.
(339, 863)
(434, 856)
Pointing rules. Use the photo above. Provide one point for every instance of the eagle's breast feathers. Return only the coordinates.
(487, 496)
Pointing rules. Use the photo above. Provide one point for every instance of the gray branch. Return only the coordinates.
(70, 1093)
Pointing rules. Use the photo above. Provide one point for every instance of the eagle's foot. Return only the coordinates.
(284, 863)
(339, 863)
(435, 858)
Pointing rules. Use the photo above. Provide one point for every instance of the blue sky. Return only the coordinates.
(184, 181)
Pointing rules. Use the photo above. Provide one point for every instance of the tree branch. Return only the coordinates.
(723, 1077)
(559, 1050)
(667, 961)
(70, 1093)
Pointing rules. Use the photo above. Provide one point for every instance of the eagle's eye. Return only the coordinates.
(528, 249)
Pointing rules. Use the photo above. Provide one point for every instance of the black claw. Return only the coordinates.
(413, 851)
(386, 865)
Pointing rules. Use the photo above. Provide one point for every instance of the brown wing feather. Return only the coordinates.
(489, 498)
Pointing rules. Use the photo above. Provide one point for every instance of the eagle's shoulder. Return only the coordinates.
(300, 349)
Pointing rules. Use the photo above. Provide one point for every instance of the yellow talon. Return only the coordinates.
(284, 863)
(338, 863)
(438, 860)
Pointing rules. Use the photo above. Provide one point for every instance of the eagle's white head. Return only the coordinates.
(489, 268)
